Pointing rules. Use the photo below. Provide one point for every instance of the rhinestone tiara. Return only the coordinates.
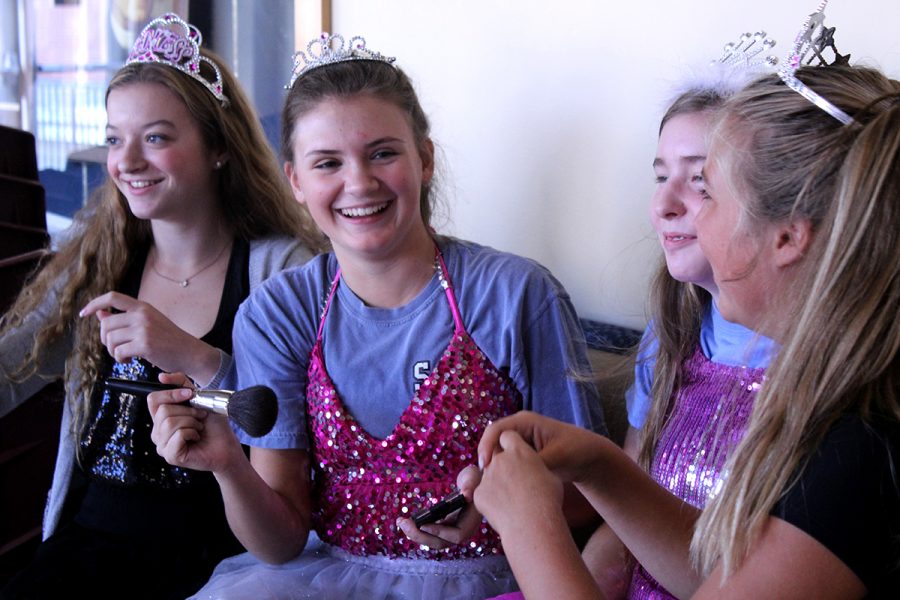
(329, 49)
(171, 41)
(811, 41)
(745, 52)
(741, 61)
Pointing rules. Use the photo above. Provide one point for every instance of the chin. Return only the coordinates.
(732, 314)
(694, 277)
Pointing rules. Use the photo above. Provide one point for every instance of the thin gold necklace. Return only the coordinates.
(187, 280)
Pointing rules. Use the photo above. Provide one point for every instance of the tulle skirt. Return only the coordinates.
(328, 573)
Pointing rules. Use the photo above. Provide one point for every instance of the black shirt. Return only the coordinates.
(848, 498)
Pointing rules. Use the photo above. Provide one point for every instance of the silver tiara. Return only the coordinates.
(814, 38)
(741, 61)
(330, 49)
(745, 52)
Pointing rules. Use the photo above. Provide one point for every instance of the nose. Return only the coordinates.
(360, 180)
(668, 202)
(129, 158)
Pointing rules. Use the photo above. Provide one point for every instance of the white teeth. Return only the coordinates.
(140, 184)
(364, 211)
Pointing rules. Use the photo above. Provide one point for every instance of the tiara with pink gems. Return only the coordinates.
(169, 40)
(810, 44)
(329, 49)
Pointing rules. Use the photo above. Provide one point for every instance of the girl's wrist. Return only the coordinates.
(205, 364)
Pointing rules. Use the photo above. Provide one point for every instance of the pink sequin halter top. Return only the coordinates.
(363, 484)
(707, 421)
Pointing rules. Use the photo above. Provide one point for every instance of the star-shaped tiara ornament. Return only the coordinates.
(171, 41)
(814, 38)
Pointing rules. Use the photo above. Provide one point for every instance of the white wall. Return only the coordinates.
(547, 113)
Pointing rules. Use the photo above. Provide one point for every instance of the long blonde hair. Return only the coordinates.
(839, 355)
(105, 237)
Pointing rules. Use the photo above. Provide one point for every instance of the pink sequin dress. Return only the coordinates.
(709, 417)
(362, 484)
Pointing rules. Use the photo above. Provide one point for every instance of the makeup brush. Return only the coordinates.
(253, 409)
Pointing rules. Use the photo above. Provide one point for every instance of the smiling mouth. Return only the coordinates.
(139, 185)
(679, 238)
(364, 211)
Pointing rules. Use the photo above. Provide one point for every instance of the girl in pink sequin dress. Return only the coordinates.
(799, 224)
(707, 370)
(389, 356)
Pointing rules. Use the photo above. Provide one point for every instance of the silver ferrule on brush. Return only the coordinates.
(212, 400)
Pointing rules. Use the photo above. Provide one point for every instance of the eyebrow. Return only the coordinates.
(694, 158)
(373, 143)
(160, 122)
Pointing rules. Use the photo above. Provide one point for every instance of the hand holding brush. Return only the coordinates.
(253, 409)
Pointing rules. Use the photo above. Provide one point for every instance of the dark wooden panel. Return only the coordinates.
(18, 239)
(22, 202)
(17, 153)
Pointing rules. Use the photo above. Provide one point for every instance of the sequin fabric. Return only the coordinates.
(362, 484)
(116, 446)
(708, 419)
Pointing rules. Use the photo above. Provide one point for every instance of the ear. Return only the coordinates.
(294, 181)
(792, 241)
(427, 156)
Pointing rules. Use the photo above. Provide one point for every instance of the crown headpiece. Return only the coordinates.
(745, 52)
(741, 61)
(329, 49)
(169, 40)
(809, 46)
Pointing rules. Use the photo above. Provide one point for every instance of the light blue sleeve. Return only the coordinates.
(559, 382)
(523, 319)
(637, 398)
(274, 331)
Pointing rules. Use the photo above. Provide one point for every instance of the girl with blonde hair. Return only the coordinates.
(801, 226)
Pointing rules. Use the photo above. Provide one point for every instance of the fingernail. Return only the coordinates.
(430, 530)
(185, 393)
(480, 463)
(81, 313)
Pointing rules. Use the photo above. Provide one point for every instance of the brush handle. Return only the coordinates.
(138, 388)
(444, 507)
(212, 400)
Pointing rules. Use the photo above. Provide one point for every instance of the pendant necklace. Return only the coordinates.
(187, 280)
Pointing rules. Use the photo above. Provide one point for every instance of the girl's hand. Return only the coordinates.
(190, 437)
(453, 530)
(516, 487)
(566, 450)
(131, 327)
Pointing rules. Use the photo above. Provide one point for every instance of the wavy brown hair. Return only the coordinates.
(790, 160)
(105, 237)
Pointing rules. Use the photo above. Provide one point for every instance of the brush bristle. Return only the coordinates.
(254, 409)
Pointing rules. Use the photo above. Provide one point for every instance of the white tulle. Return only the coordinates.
(327, 573)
